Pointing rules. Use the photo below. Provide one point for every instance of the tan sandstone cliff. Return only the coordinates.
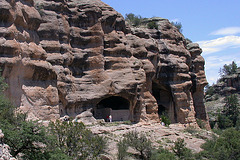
(64, 57)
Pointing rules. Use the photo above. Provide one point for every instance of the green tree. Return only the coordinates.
(224, 122)
(178, 25)
(122, 149)
(136, 141)
(152, 25)
(181, 151)
(231, 108)
(223, 148)
(25, 137)
(140, 143)
(134, 20)
(209, 90)
(74, 140)
(228, 69)
(162, 153)
(3, 85)
(165, 119)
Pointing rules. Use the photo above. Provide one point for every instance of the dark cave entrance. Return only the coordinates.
(164, 101)
(116, 106)
(156, 91)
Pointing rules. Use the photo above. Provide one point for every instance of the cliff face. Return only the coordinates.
(64, 57)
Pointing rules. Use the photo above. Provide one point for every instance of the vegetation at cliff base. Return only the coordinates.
(30, 140)
(75, 141)
(225, 147)
(145, 150)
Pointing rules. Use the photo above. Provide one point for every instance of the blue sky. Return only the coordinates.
(214, 24)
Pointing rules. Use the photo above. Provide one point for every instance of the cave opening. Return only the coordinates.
(164, 101)
(116, 106)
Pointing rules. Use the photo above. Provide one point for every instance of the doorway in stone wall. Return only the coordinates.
(116, 106)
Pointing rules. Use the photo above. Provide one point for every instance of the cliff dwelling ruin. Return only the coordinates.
(116, 106)
(64, 57)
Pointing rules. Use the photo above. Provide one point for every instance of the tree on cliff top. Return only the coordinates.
(178, 25)
(228, 69)
(134, 20)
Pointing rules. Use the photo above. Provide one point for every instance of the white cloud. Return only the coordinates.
(227, 31)
(213, 63)
(219, 44)
(175, 20)
(220, 51)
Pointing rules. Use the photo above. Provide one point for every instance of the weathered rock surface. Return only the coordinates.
(154, 131)
(64, 57)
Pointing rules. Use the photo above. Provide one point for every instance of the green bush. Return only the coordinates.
(224, 122)
(181, 151)
(30, 140)
(230, 115)
(178, 25)
(231, 108)
(25, 137)
(165, 119)
(225, 147)
(122, 149)
(201, 123)
(228, 69)
(209, 90)
(136, 141)
(74, 140)
(134, 20)
(191, 130)
(163, 154)
(152, 25)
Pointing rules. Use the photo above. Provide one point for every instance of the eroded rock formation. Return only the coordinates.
(65, 57)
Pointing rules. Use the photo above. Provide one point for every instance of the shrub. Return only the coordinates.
(223, 148)
(224, 122)
(122, 149)
(209, 90)
(201, 123)
(178, 25)
(231, 108)
(191, 130)
(27, 138)
(136, 141)
(165, 119)
(133, 19)
(228, 69)
(162, 153)
(30, 140)
(152, 25)
(181, 151)
(74, 140)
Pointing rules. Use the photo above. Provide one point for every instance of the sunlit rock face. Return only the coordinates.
(65, 57)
